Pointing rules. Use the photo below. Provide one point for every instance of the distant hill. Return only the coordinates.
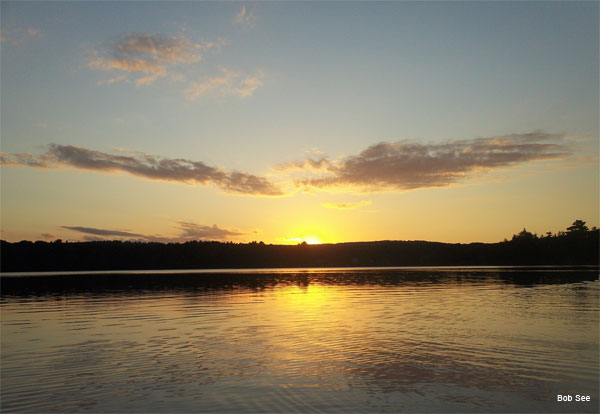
(578, 245)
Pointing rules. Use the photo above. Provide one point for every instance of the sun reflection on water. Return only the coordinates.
(301, 341)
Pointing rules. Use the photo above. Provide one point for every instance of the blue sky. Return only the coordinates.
(252, 86)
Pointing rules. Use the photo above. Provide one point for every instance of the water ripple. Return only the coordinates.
(341, 341)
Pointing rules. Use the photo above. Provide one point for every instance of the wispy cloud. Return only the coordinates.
(33, 32)
(245, 17)
(103, 232)
(308, 164)
(187, 231)
(147, 166)
(227, 83)
(406, 165)
(121, 77)
(148, 56)
(19, 35)
(347, 206)
(21, 160)
(145, 58)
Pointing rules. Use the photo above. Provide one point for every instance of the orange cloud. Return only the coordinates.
(148, 54)
(245, 17)
(228, 83)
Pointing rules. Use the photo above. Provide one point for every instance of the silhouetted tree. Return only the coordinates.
(577, 246)
(524, 235)
(577, 227)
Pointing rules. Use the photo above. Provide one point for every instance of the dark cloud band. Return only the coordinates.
(146, 166)
(188, 231)
(387, 166)
(104, 232)
(406, 165)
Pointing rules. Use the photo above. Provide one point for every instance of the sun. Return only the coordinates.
(312, 240)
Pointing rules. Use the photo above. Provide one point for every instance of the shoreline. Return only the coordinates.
(307, 270)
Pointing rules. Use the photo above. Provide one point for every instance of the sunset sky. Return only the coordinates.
(304, 121)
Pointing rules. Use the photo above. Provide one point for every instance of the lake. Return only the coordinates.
(302, 340)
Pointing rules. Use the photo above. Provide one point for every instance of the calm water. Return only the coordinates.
(338, 340)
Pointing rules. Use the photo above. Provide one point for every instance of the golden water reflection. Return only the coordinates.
(303, 342)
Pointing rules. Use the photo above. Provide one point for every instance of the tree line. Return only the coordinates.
(577, 245)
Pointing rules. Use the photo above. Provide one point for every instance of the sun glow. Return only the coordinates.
(305, 239)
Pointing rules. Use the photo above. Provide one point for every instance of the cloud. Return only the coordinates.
(17, 36)
(47, 236)
(347, 206)
(153, 70)
(387, 166)
(406, 165)
(33, 32)
(147, 166)
(172, 49)
(102, 232)
(147, 56)
(193, 231)
(188, 231)
(122, 77)
(25, 160)
(245, 17)
(308, 164)
(227, 83)
(247, 86)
